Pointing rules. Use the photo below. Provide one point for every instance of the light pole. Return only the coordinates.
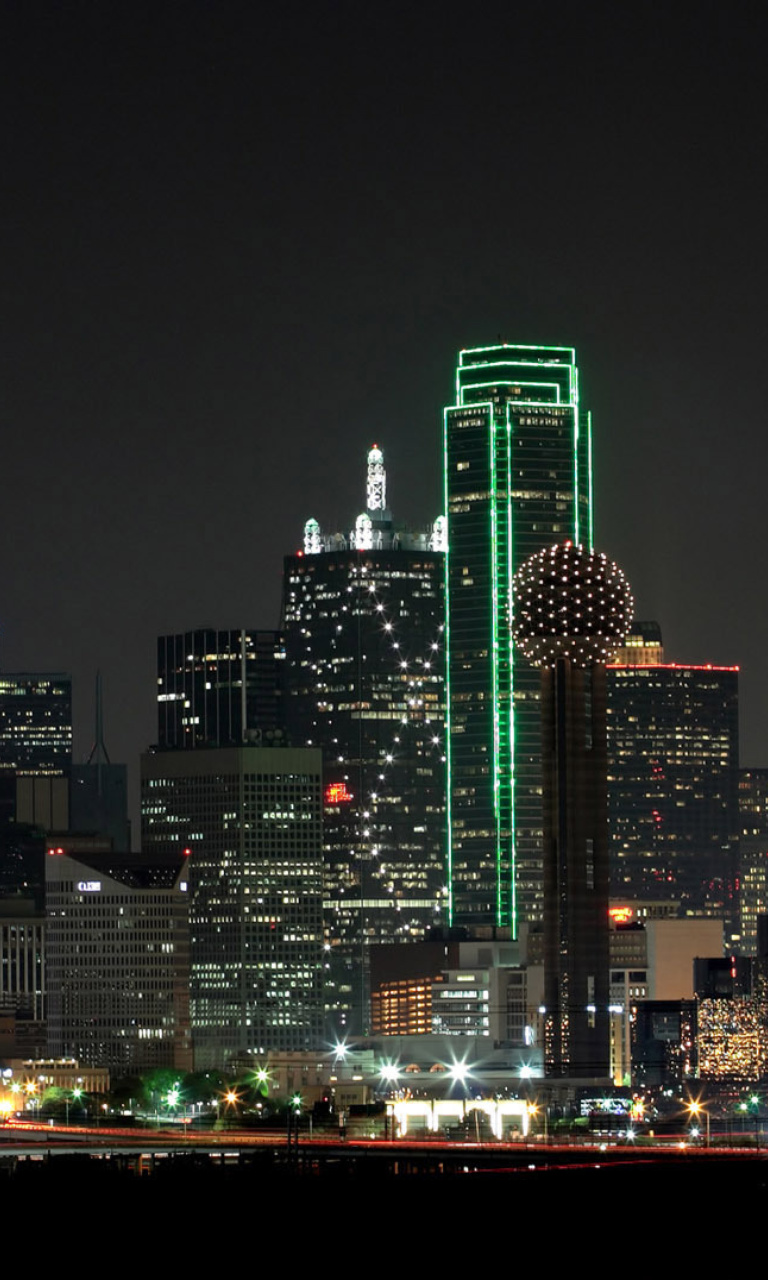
(696, 1109)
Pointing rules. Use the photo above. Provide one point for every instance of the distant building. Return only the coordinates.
(651, 959)
(220, 688)
(673, 755)
(364, 623)
(664, 1043)
(99, 801)
(476, 988)
(753, 854)
(251, 819)
(99, 790)
(35, 723)
(22, 955)
(118, 961)
(35, 764)
(642, 647)
(731, 1033)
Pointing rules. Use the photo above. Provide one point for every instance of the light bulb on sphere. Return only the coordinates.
(570, 602)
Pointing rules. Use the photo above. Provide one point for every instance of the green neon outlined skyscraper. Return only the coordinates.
(518, 478)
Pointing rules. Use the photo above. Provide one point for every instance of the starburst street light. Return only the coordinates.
(695, 1109)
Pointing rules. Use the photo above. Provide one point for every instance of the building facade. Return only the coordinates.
(219, 688)
(363, 617)
(753, 855)
(117, 946)
(251, 819)
(673, 750)
(35, 723)
(517, 479)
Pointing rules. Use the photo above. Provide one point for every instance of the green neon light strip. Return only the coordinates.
(553, 386)
(536, 367)
(570, 352)
(495, 655)
(576, 459)
(511, 707)
(589, 481)
(448, 744)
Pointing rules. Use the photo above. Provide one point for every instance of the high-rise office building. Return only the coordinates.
(363, 616)
(35, 765)
(518, 478)
(251, 818)
(117, 943)
(35, 724)
(753, 855)
(219, 688)
(673, 753)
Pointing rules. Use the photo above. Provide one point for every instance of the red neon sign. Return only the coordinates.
(336, 793)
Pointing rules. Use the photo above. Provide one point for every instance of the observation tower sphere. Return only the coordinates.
(570, 602)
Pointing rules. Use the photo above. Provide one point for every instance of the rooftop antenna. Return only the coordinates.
(99, 754)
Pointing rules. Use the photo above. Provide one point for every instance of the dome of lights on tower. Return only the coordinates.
(570, 602)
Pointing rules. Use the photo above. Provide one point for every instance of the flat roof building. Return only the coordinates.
(117, 943)
(673, 757)
(251, 821)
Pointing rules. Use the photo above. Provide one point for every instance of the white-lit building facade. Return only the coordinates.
(117, 946)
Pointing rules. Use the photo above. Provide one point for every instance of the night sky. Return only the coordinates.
(239, 248)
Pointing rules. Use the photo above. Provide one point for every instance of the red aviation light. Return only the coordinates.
(336, 793)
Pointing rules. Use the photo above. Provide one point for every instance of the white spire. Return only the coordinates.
(377, 480)
(362, 538)
(438, 539)
(312, 543)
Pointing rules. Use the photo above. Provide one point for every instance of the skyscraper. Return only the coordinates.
(518, 478)
(118, 960)
(251, 819)
(35, 766)
(219, 688)
(363, 620)
(753, 854)
(36, 724)
(673, 754)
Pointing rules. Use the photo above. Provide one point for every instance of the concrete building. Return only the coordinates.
(117, 944)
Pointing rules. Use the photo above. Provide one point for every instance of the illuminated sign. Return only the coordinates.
(336, 793)
(621, 915)
(89, 886)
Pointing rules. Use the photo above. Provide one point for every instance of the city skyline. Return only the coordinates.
(197, 355)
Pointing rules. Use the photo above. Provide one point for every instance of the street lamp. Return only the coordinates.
(695, 1109)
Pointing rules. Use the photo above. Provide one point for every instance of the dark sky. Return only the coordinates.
(238, 248)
